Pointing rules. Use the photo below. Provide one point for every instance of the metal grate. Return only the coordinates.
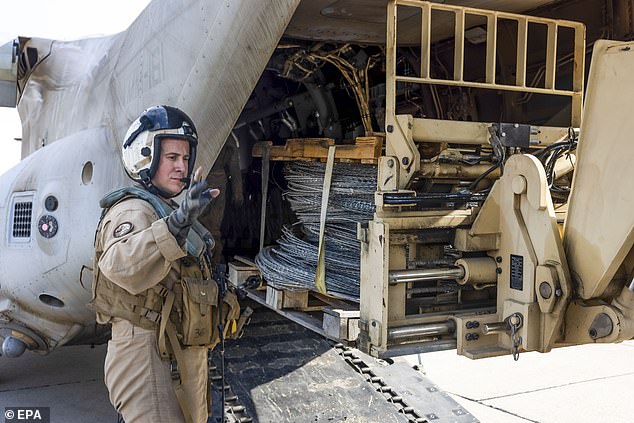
(20, 219)
(22, 213)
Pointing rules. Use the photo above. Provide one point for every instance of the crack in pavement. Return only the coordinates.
(557, 386)
(482, 400)
(26, 388)
(498, 409)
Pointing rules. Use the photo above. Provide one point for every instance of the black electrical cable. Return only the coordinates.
(549, 157)
(500, 155)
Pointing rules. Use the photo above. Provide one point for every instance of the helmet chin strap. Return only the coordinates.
(155, 190)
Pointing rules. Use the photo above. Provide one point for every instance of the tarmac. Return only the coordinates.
(591, 383)
(587, 383)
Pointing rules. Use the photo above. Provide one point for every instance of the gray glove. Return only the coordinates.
(181, 219)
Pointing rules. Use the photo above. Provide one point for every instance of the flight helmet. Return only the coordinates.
(141, 150)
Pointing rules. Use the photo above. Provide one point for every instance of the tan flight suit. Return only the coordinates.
(138, 253)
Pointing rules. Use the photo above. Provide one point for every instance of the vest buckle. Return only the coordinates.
(175, 374)
(152, 316)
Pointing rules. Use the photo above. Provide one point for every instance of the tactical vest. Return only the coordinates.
(188, 308)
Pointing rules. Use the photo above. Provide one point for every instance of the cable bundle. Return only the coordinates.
(292, 263)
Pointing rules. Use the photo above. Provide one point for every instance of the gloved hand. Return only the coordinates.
(197, 198)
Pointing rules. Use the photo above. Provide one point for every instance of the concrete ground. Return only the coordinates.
(577, 384)
(590, 383)
(69, 381)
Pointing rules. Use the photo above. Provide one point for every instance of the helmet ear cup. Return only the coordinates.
(141, 149)
(156, 158)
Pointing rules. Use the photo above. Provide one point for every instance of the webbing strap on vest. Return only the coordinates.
(177, 383)
(167, 327)
(110, 199)
(165, 318)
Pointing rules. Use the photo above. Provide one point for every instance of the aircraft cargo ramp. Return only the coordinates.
(283, 372)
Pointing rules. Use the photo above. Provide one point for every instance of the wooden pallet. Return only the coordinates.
(364, 150)
(339, 318)
(334, 318)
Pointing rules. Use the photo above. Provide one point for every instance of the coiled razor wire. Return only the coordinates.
(292, 263)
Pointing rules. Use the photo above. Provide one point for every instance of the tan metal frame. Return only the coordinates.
(400, 128)
(384, 249)
(492, 21)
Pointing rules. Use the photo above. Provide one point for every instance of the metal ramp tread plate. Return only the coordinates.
(420, 393)
(283, 372)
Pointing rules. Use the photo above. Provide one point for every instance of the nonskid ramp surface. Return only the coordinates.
(283, 372)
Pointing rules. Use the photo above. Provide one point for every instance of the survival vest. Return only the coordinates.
(188, 308)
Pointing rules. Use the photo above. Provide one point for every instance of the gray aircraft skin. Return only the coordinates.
(76, 100)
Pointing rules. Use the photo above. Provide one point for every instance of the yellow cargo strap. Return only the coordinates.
(266, 154)
(320, 271)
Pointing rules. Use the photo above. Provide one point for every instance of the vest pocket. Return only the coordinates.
(200, 313)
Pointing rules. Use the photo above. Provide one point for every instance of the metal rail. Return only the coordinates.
(493, 18)
(421, 275)
(418, 331)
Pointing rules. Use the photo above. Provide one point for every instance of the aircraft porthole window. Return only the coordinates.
(51, 300)
(51, 203)
(86, 173)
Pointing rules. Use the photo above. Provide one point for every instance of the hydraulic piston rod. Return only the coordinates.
(475, 270)
(418, 275)
(495, 328)
(429, 329)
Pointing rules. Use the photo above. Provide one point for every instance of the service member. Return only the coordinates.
(151, 280)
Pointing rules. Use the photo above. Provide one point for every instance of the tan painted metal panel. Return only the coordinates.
(599, 230)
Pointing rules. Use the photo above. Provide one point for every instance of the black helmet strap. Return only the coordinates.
(146, 181)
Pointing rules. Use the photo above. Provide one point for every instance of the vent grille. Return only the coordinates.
(20, 221)
(22, 213)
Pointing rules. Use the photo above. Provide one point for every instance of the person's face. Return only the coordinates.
(173, 166)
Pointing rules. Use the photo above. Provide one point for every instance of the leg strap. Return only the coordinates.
(177, 382)
(166, 327)
(165, 319)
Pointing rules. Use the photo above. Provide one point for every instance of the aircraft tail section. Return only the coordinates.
(201, 56)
